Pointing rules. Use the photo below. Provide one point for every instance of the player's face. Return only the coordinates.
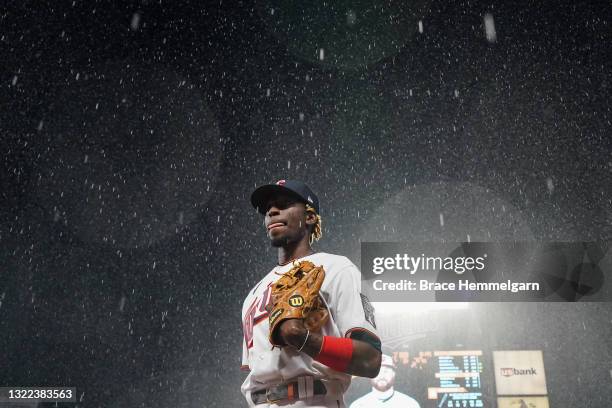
(285, 220)
(385, 379)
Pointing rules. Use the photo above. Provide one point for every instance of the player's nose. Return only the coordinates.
(273, 210)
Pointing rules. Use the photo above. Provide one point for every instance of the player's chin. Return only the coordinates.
(280, 238)
(283, 238)
(279, 241)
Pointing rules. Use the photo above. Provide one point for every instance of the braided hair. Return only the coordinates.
(316, 233)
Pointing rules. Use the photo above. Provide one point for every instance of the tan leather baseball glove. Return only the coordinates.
(295, 295)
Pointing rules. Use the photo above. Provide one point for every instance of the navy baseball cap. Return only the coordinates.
(295, 188)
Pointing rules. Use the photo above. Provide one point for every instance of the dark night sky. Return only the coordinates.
(132, 134)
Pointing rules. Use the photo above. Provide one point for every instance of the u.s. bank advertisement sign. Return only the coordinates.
(519, 372)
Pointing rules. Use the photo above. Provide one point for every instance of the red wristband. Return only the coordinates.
(336, 352)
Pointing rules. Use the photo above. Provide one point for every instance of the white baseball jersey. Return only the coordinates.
(350, 316)
(390, 399)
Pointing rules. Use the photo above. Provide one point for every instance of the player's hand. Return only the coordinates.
(293, 332)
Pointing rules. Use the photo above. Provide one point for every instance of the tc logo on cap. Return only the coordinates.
(280, 183)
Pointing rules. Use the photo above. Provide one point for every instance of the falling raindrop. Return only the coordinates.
(135, 24)
(550, 185)
(490, 28)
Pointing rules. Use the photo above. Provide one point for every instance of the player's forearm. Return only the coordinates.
(364, 359)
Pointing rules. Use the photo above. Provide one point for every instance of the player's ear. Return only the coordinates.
(311, 218)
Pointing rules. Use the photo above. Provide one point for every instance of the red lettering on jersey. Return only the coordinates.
(251, 320)
(265, 298)
(247, 324)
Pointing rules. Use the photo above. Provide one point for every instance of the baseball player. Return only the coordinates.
(309, 368)
(383, 394)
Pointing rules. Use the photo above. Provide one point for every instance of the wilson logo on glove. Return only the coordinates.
(296, 301)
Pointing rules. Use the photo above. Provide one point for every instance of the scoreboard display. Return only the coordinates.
(457, 377)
